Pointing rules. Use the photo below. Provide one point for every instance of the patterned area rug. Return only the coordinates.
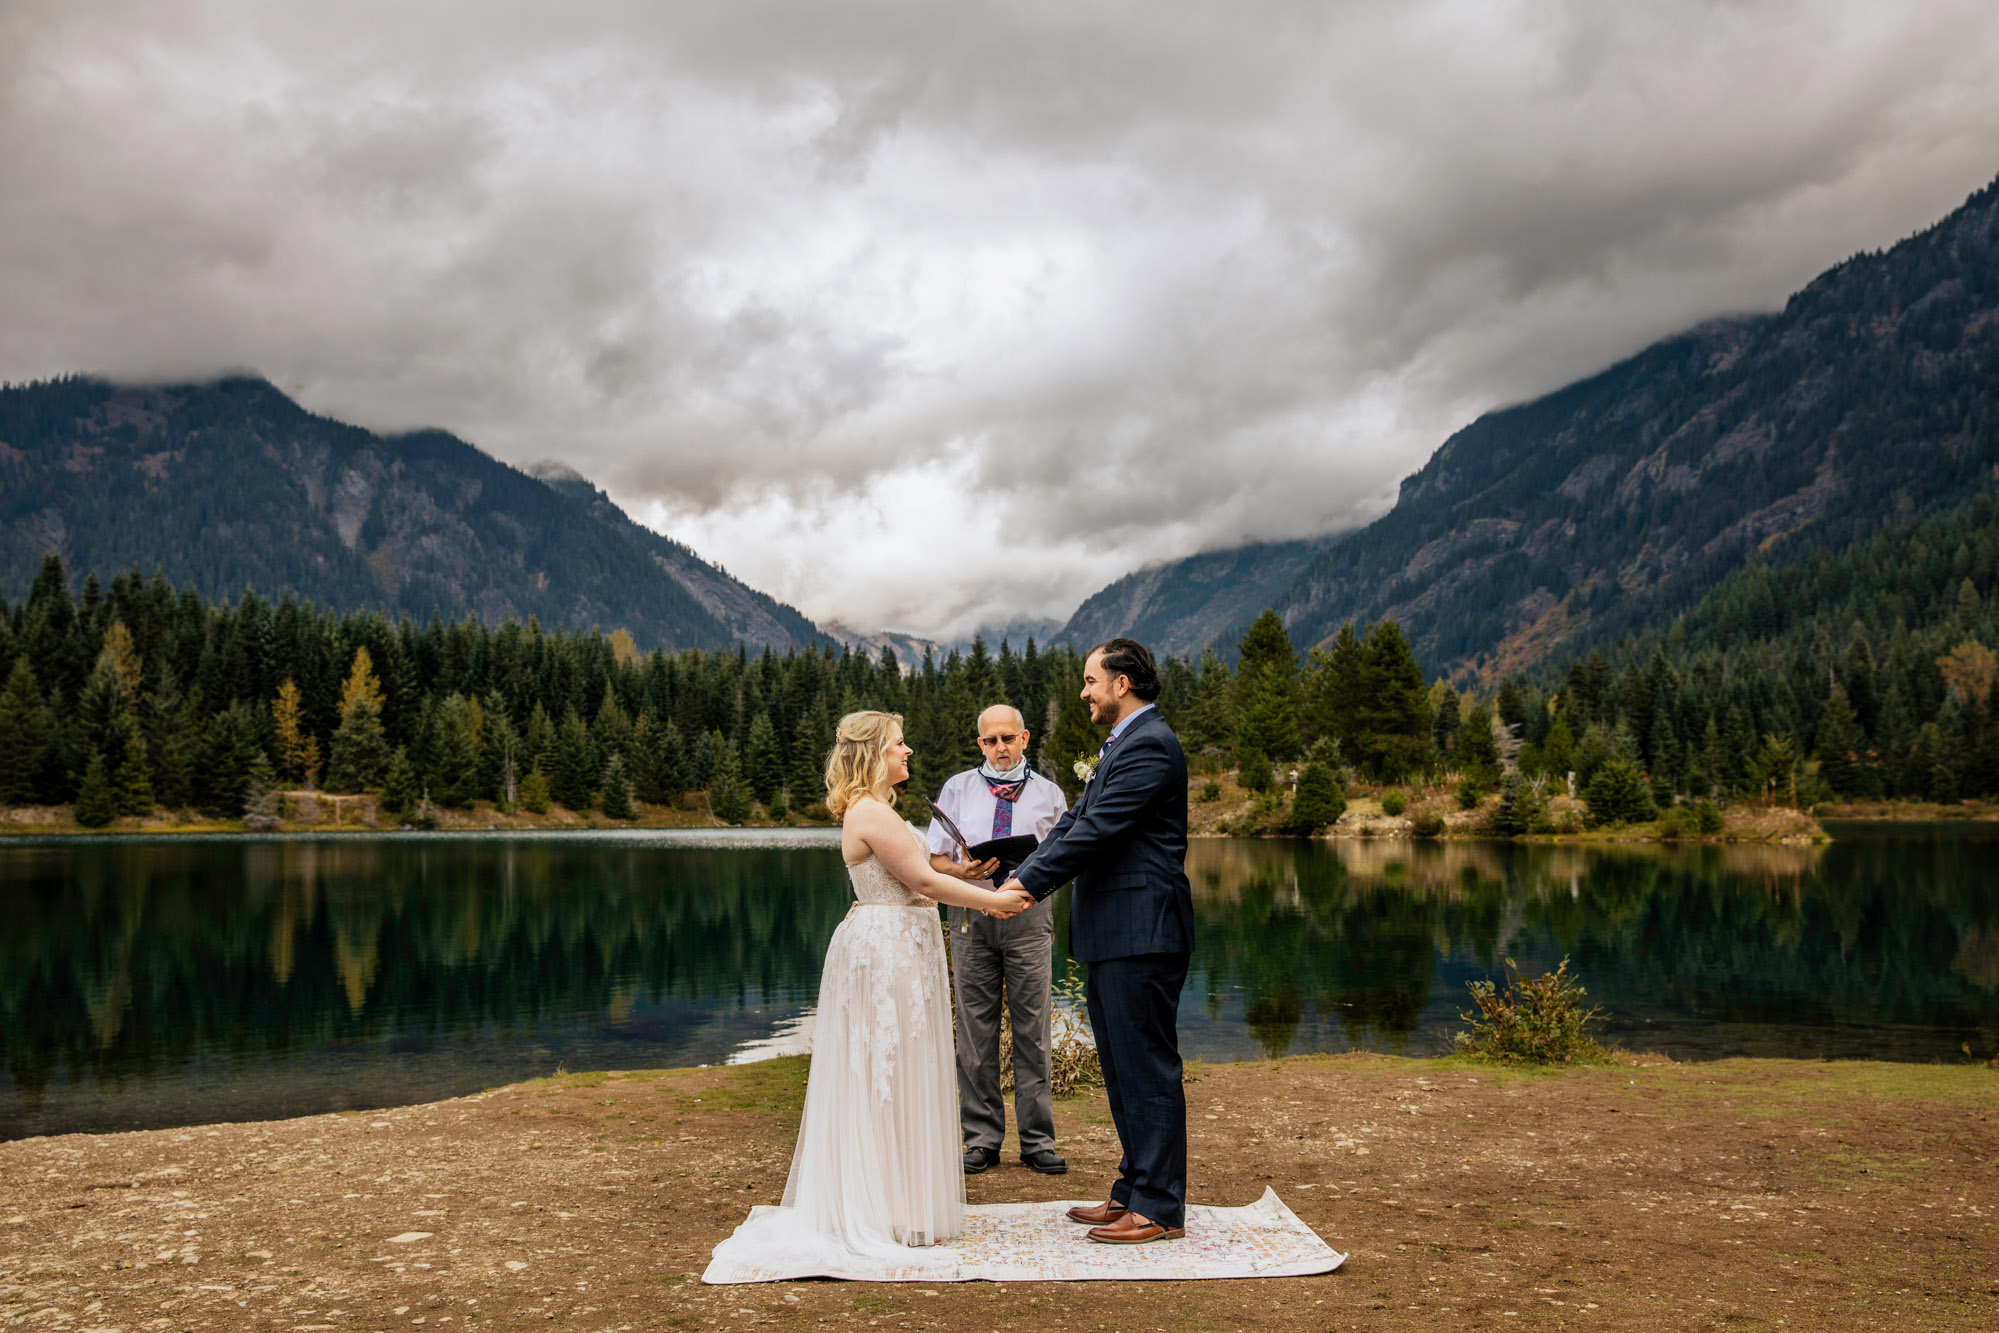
(1034, 1242)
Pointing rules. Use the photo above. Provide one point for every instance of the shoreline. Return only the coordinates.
(1223, 818)
(1218, 820)
(1837, 1195)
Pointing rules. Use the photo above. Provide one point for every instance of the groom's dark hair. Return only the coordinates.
(1128, 658)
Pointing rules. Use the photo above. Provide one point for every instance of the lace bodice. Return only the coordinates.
(873, 884)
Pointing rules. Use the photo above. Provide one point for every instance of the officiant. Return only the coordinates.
(997, 800)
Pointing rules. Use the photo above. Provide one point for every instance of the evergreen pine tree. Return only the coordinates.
(1266, 689)
(618, 790)
(811, 743)
(1841, 747)
(569, 783)
(1252, 769)
(534, 792)
(133, 782)
(539, 742)
(399, 787)
(611, 729)
(645, 759)
(500, 757)
(172, 725)
(453, 752)
(260, 794)
(96, 804)
(28, 728)
(1518, 810)
(1446, 720)
(1478, 750)
(228, 748)
(1210, 719)
(1618, 795)
(673, 764)
(763, 765)
(1558, 751)
(728, 795)
(360, 750)
(705, 752)
(1318, 800)
(1390, 717)
(1074, 737)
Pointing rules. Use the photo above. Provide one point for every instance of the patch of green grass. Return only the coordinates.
(873, 1304)
(670, 1279)
(1970, 1084)
(768, 1085)
(1505, 1075)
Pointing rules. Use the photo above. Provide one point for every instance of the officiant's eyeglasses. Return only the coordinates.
(1004, 738)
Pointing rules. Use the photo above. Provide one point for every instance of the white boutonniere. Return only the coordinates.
(1087, 768)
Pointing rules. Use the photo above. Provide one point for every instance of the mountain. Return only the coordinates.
(230, 485)
(1180, 608)
(910, 648)
(1610, 506)
(748, 615)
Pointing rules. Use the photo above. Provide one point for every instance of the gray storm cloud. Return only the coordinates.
(930, 316)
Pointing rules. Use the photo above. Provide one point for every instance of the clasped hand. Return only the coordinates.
(1018, 900)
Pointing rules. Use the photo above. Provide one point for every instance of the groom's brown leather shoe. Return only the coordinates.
(1097, 1214)
(1128, 1230)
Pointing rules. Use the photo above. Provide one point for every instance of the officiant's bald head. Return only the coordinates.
(1002, 736)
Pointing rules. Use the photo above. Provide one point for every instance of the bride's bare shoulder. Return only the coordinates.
(863, 824)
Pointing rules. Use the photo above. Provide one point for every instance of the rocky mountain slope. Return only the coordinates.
(230, 484)
(1610, 506)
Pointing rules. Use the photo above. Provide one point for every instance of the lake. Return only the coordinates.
(165, 981)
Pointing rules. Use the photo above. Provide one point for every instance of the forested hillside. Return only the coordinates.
(142, 696)
(231, 485)
(1593, 515)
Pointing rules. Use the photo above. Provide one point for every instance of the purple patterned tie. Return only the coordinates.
(1004, 795)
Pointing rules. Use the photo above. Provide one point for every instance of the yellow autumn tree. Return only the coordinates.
(362, 683)
(122, 655)
(360, 752)
(298, 749)
(1968, 670)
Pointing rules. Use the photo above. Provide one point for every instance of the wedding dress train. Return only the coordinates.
(876, 1175)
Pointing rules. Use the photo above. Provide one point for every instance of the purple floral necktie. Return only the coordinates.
(1004, 795)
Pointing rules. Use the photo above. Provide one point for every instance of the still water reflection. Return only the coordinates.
(172, 981)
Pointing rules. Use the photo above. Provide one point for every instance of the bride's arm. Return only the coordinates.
(882, 832)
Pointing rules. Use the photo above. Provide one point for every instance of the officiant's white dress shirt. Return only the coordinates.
(969, 802)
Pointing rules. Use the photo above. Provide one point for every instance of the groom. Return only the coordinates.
(1131, 920)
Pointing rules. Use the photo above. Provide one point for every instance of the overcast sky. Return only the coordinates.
(924, 316)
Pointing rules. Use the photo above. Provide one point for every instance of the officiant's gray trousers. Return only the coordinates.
(987, 956)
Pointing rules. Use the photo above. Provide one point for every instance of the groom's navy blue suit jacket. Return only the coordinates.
(1125, 845)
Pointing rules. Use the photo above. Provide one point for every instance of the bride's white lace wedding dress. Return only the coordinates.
(876, 1175)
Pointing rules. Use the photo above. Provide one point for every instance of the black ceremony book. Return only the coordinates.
(1010, 851)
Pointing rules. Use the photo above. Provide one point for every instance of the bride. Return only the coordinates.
(875, 1175)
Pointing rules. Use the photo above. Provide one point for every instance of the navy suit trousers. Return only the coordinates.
(1134, 1007)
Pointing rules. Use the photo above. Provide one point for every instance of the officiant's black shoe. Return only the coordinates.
(979, 1159)
(1045, 1161)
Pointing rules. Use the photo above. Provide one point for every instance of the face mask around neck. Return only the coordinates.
(1014, 774)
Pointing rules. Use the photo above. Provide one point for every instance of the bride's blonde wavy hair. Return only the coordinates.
(858, 765)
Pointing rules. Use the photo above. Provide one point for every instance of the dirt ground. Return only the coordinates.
(1738, 1195)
